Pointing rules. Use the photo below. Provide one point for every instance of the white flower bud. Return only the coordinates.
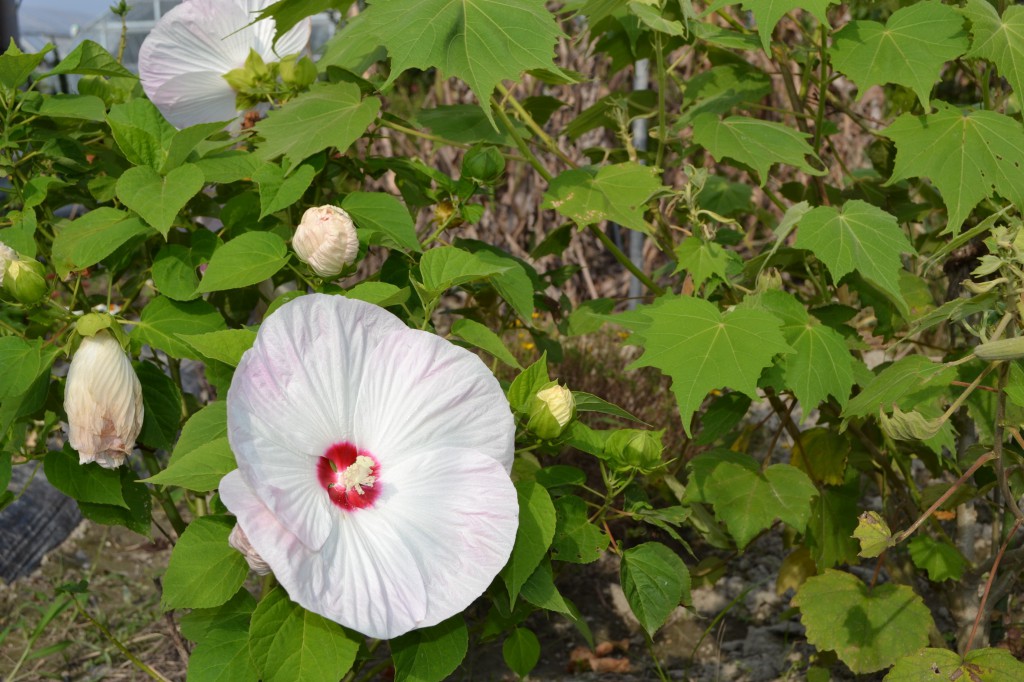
(7, 255)
(240, 541)
(103, 399)
(560, 401)
(326, 240)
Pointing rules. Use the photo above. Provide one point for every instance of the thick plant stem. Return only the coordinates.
(116, 642)
(624, 260)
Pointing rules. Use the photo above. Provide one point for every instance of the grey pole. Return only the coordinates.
(641, 81)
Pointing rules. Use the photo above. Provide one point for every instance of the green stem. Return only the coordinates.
(526, 118)
(521, 145)
(819, 118)
(662, 121)
(625, 261)
(166, 503)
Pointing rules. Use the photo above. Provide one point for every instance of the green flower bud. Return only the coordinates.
(635, 449)
(551, 410)
(296, 72)
(25, 280)
(769, 279)
(484, 164)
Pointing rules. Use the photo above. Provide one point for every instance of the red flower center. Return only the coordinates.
(349, 475)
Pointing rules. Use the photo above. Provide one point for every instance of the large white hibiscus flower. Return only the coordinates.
(183, 60)
(373, 465)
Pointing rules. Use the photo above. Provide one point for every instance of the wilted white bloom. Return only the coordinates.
(240, 541)
(373, 465)
(7, 255)
(326, 240)
(183, 61)
(103, 400)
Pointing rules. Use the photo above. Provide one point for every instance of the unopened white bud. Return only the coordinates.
(103, 400)
(240, 541)
(326, 240)
(560, 401)
(7, 255)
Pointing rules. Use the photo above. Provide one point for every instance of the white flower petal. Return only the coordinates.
(194, 98)
(422, 393)
(184, 58)
(196, 36)
(293, 396)
(295, 40)
(421, 556)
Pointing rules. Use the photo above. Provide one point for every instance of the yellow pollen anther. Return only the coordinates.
(358, 475)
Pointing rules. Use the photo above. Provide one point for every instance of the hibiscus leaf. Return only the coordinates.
(869, 629)
(703, 260)
(968, 156)
(576, 540)
(527, 383)
(382, 218)
(536, 529)
(748, 501)
(754, 143)
(21, 361)
(278, 191)
(330, 115)
(174, 274)
(223, 657)
(288, 643)
(980, 665)
(999, 40)
(201, 469)
(897, 382)
(430, 654)
(287, 13)
(909, 49)
(591, 195)
(768, 13)
(521, 651)
(163, 319)
(540, 590)
(821, 364)
(90, 59)
(87, 240)
(858, 237)
(941, 560)
(227, 345)
(483, 42)
(156, 198)
(204, 570)
(208, 424)
(449, 266)
(83, 482)
(655, 581)
(482, 337)
(703, 349)
(247, 259)
(136, 516)
(161, 400)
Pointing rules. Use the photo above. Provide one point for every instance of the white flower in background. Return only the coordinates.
(103, 400)
(326, 239)
(373, 465)
(183, 61)
(7, 256)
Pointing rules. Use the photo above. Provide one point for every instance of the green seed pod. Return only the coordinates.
(483, 164)
(25, 280)
(1003, 349)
